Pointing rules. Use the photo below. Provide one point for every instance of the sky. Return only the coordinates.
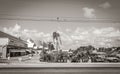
(32, 19)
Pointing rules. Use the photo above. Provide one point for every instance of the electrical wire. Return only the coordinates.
(58, 19)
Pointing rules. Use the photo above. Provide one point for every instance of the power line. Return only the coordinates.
(58, 19)
(64, 20)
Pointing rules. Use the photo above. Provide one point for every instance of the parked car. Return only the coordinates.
(99, 59)
(112, 58)
(118, 56)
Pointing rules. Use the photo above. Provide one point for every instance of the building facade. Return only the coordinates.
(11, 46)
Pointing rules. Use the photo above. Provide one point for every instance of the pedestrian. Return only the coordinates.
(20, 59)
(8, 56)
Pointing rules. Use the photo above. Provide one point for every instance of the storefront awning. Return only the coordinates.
(28, 50)
(16, 50)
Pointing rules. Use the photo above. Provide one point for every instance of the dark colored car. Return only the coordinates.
(112, 59)
(99, 59)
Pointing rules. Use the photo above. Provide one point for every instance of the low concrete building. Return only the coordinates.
(11, 46)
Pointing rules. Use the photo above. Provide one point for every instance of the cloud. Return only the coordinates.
(68, 30)
(64, 37)
(107, 32)
(105, 5)
(89, 12)
(17, 31)
(103, 37)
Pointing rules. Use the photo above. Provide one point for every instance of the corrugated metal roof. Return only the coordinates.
(13, 40)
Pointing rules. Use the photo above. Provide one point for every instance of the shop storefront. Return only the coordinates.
(11, 46)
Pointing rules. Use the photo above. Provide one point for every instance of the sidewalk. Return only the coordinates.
(19, 59)
(34, 59)
(25, 59)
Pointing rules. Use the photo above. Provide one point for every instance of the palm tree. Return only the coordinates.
(57, 40)
(50, 46)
